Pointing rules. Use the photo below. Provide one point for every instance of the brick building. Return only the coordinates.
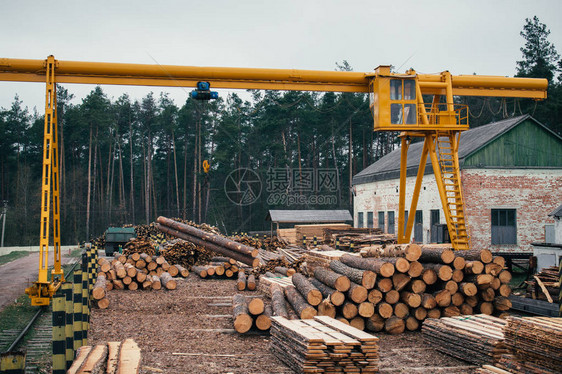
(511, 173)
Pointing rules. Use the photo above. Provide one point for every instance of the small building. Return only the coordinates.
(511, 175)
(308, 216)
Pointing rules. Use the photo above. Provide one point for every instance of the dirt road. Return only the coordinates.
(15, 276)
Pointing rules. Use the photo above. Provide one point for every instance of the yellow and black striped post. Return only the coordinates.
(77, 308)
(85, 300)
(13, 362)
(304, 241)
(351, 246)
(90, 270)
(315, 242)
(68, 323)
(59, 335)
(337, 244)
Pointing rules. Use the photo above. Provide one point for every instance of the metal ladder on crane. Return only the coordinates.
(447, 154)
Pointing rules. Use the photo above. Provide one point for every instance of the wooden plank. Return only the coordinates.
(129, 358)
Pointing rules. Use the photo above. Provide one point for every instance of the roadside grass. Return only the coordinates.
(16, 315)
(4, 259)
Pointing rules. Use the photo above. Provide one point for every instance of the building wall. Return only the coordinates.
(558, 230)
(534, 193)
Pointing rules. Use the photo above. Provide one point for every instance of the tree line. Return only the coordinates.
(128, 161)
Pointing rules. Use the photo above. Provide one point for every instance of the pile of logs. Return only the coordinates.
(535, 344)
(137, 271)
(112, 357)
(217, 268)
(323, 345)
(545, 285)
(211, 241)
(248, 312)
(353, 239)
(400, 292)
(284, 258)
(139, 245)
(478, 339)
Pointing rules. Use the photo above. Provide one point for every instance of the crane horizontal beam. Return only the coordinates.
(27, 70)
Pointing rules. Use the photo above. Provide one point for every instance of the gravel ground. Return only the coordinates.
(188, 330)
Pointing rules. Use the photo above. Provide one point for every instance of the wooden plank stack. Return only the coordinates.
(535, 344)
(110, 358)
(478, 339)
(323, 345)
(310, 231)
(545, 285)
(353, 239)
(322, 258)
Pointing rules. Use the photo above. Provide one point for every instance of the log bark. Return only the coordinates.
(98, 292)
(483, 255)
(502, 303)
(201, 271)
(375, 323)
(394, 325)
(299, 304)
(366, 278)
(451, 311)
(312, 295)
(378, 266)
(241, 284)
(182, 271)
(336, 297)
(167, 281)
(242, 319)
(437, 256)
(410, 251)
(332, 279)
(487, 295)
(156, 283)
(278, 301)
(250, 282)
(118, 284)
(444, 272)
(493, 269)
(481, 280)
(466, 309)
(284, 270)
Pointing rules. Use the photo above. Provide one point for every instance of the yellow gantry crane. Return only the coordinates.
(397, 104)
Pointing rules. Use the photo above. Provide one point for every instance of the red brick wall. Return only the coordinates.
(533, 193)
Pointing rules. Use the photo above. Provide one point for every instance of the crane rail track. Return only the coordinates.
(40, 327)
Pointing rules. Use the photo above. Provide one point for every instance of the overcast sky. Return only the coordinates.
(463, 37)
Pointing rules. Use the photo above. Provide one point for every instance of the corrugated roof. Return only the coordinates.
(557, 212)
(388, 167)
(308, 216)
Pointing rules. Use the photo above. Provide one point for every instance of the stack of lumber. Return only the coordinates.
(137, 271)
(288, 236)
(267, 243)
(311, 231)
(281, 257)
(353, 239)
(211, 241)
(273, 279)
(478, 339)
(323, 345)
(545, 285)
(112, 357)
(322, 257)
(248, 312)
(535, 344)
(399, 293)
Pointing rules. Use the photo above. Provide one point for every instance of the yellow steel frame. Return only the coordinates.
(430, 125)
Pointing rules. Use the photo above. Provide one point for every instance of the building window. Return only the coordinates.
(434, 221)
(391, 222)
(381, 221)
(504, 226)
(370, 223)
(418, 226)
(360, 219)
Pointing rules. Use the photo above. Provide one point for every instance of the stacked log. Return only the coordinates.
(355, 239)
(250, 312)
(213, 242)
(478, 339)
(222, 268)
(534, 343)
(384, 293)
(133, 272)
(323, 343)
